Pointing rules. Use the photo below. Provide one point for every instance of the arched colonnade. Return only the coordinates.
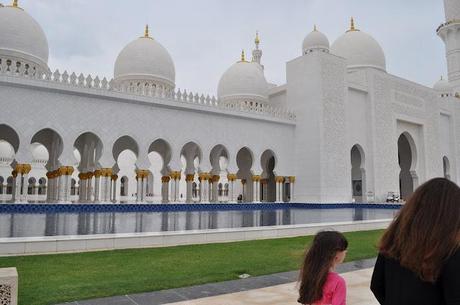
(198, 177)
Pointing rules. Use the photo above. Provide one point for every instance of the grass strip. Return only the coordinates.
(53, 279)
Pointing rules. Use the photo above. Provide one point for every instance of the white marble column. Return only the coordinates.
(165, 189)
(189, 178)
(231, 188)
(61, 187)
(113, 186)
(16, 187)
(144, 187)
(139, 186)
(215, 188)
(68, 188)
(256, 188)
(97, 185)
(86, 182)
(279, 189)
(292, 183)
(175, 179)
(82, 186)
(204, 187)
(25, 184)
(63, 183)
(89, 188)
(2, 196)
(56, 187)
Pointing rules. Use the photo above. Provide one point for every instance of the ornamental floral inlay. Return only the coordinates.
(5, 294)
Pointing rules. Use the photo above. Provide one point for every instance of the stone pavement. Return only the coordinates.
(275, 289)
(286, 294)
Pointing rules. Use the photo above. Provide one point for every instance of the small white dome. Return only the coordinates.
(315, 41)
(6, 151)
(243, 80)
(145, 59)
(360, 50)
(39, 152)
(21, 37)
(443, 86)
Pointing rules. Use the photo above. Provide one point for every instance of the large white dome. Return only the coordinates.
(315, 41)
(360, 49)
(145, 59)
(243, 80)
(21, 37)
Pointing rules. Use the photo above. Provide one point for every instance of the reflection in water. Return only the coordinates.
(29, 225)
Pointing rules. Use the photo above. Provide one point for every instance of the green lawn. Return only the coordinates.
(52, 279)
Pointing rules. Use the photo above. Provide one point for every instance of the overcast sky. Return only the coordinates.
(204, 37)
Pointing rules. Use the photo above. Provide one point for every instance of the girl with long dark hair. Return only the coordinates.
(419, 260)
(319, 284)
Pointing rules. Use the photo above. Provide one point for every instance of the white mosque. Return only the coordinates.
(341, 129)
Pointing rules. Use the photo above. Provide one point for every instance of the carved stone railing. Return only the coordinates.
(454, 21)
(15, 68)
(8, 286)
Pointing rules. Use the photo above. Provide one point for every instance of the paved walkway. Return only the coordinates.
(275, 289)
(286, 294)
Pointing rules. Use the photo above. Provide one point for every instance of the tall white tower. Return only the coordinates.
(450, 34)
(257, 53)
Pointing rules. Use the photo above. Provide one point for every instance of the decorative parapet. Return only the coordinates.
(8, 286)
(15, 68)
(454, 21)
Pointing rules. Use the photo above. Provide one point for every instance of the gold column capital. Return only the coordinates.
(140, 173)
(106, 172)
(203, 176)
(26, 168)
(190, 177)
(215, 178)
(256, 178)
(176, 175)
(279, 179)
(66, 170)
(231, 177)
(165, 179)
(292, 179)
(114, 177)
(97, 173)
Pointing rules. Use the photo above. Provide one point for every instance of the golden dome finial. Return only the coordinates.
(146, 32)
(15, 3)
(243, 58)
(352, 25)
(257, 40)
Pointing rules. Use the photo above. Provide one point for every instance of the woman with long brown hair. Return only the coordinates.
(419, 260)
(319, 284)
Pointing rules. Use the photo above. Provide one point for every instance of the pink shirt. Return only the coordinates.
(334, 291)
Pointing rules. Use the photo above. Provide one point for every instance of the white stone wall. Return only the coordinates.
(316, 89)
(29, 106)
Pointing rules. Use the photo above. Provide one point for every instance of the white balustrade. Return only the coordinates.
(25, 70)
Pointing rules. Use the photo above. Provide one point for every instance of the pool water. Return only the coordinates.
(32, 224)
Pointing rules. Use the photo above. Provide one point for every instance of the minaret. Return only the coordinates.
(450, 34)
(257, 53)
